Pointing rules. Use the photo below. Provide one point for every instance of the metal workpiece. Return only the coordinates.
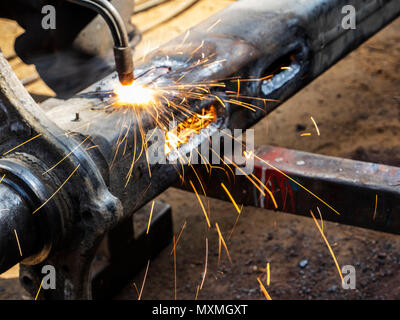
(91, 201)
(86, 153)
(249, 39)
(293, 41)
(42, 227)
(15, 214)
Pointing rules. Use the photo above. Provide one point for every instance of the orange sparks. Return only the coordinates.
(219, 250)
(151, 214)
(205, 266)
(182, 133)
(328, 245)
(223, 242)
(230, 197)
(197, 292)
(52, 168)
(136, 288)
(322, 221)
(201, 204)
(174, 267)
(179, 236)
(376, 206)
(213, 25)
(40, 287)
(315, 125)
(20, 145)
(266, 189)
(264, 291)
(268, 274)
(57, 190)
(304, 134)
(144, 280)
(19, 246)
(2, 178)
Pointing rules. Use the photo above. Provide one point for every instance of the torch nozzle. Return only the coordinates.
(122, 51)
(124, 64)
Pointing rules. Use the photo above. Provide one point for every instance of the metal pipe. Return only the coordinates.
(122, 51)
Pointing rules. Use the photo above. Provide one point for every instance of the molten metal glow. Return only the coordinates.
(134, 94)
(187, 129)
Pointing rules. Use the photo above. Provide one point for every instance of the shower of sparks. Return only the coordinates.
(2, 178)
(316, 126)
(376, 206)
(205, 266)
(151, 214)
(328, 245)
(175, 102)
(19, 246)
(40, 287)
(23, 143)
(144, 280)
(69, 177)
(223, 242)
(264, 291)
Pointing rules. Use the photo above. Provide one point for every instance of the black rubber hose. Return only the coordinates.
(122, 51)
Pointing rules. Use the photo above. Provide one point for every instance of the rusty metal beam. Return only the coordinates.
(345, 191)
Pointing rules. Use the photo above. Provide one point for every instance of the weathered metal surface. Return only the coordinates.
(251, 39)
(345, 191)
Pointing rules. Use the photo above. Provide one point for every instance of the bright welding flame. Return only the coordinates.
(134, 94)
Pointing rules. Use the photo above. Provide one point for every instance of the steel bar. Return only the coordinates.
(346, 191)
